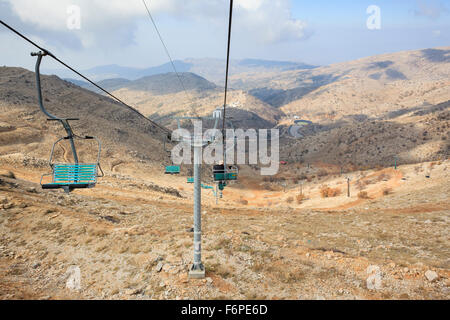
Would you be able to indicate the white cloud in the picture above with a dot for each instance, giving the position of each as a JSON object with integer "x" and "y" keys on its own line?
{"x": 263, "y": 21}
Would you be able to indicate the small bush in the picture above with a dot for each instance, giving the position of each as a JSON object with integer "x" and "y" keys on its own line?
{"x": 243, "y": 202}
{"x": 387, "y": 191}
{"x": 322, "y": 173}
{"x": 300, "y": 197}
{"x": 328, "y": 192}
{"x": 267, "y": 186}
{"x": 383, "y": 176}
{"x": 7, "y": 174}
{"x": 290, "y": 200}
{"x": 363, "y": 195}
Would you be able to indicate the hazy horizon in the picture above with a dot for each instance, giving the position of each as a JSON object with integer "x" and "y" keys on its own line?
{"x": 317, "y": 33}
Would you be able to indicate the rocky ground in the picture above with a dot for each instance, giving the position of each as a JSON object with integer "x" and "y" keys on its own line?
{"x": 132, "y": 238}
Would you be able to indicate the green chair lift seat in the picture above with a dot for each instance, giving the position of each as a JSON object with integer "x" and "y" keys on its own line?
{"x": 172, "y": 170}
{"x": 70, "y": 176}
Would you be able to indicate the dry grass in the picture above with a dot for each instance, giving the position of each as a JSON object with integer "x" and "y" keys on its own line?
{"x": 383, "y": 177}
{"x": 243, "y": 202}
{"x": 328, "y": 192}
{"x": 363, "y": 195}
{"x": 299, "y": 198}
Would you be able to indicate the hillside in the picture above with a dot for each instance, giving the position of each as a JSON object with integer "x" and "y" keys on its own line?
{"x": 413, "y": 136}
{"x": 27, "y": 134}
{"x": 295, "y": 235}
{"x": 163, "y": 107}
{"x": 371, "y": 86}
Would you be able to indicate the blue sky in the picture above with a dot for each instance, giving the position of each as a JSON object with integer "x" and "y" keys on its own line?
{"x": 318, "y": 32}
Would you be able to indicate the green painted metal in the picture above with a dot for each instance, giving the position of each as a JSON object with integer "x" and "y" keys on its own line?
{"x": 190, "y": 180}
{"x": 172, "y": 170}
{"x": 223, "y": 176}
{"x": 73, "y": 174}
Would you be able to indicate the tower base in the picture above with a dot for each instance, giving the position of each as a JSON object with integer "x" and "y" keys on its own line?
{"x": 197, "y": 272}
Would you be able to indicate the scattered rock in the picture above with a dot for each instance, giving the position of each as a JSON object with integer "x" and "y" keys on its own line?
{"x": 431, "y": 275}
{"x": 31, "y": 190}
{"x": 159, "y": 266}
{"x": 111, "y": 219}
{"x": 7, "y": 174}
{"x": 7, "y": 206}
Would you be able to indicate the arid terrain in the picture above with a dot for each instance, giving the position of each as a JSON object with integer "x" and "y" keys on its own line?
{"x": 295, "y": 235}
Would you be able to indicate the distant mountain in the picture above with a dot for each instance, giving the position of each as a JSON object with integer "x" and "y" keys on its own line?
{"x": 168, "y": 83}
{"x": 159, "y": 84}
{"x": 114, "y": 71}
{"x": 108, "y": 84}
{"x": 270, "y": 64}
{"x": 209, "y": 68}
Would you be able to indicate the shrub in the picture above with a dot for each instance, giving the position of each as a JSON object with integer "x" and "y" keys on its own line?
{"x": 328, "y": 192}
{"x": 322, "y": 173}
{"x": 290, "y": 200}
{"x": 267, "y": 186}
{"x": 243, "y": 202}
{"x": 300, "y": 197}
{"x": 383, "y": 176}
{"x": 363, "y": 195}
{"x": 387, "y": 191}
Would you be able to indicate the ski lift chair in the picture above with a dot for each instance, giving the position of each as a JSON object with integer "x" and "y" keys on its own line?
{"x": 222, "y": 175}
{"x": 70, "y": 176}
{"x": 172, "y": 170}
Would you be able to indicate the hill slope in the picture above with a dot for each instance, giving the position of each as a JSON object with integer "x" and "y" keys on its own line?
{"x": 122, "y": 131}
{"x": 369, "y": 86}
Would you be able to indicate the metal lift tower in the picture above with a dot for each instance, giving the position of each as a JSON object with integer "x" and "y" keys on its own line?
{"x": 197, "y": 142}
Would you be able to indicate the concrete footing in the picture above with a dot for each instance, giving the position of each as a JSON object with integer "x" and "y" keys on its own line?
{"x": 197, "y": 273}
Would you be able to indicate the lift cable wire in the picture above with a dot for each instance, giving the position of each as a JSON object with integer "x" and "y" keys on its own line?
{"x": 167, "y": 52}
{"x": 226, "y": 80}
{"x": 82, "y": 76}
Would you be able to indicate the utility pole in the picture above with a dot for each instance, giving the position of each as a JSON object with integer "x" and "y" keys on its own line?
{"x": 348, "y": 187}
